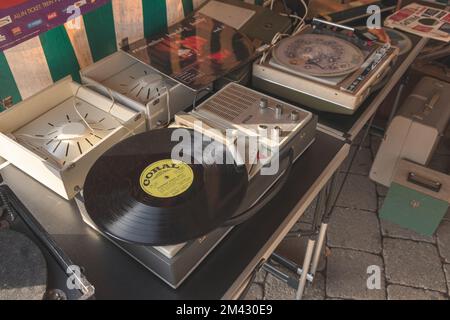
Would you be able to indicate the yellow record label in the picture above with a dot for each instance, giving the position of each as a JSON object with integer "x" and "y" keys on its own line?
{"x": 166, "y": 178}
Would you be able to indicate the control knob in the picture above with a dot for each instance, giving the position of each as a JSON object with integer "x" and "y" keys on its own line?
{"x": 295, "y": 116}
{"x": 278, "y": 110}
{"x": 263, "y": 103}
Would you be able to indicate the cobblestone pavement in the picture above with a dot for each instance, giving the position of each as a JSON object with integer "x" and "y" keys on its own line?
{"x": 410, "y": 266}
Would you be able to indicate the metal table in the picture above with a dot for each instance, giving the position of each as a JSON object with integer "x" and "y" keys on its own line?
{"x": 223, "y": 273}
{"x": 345, "y": 128}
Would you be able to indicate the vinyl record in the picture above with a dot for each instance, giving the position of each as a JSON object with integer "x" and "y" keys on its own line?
{"x": 138, "y": 193}
{"x": 318, "y": 55}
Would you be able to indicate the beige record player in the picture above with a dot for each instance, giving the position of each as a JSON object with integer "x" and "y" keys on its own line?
{"x": 324, "y": 68}
{"x": 56, "y": 135}
{"x": 245, "y": 111}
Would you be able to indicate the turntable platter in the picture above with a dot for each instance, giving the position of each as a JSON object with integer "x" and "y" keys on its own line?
{"x": 318, "y": 55}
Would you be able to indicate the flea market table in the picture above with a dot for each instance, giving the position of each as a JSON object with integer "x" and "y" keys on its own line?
{"x": 226, "y": 270}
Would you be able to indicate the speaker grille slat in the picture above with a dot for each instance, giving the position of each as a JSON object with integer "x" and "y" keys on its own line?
{"x": 231, "y": 103}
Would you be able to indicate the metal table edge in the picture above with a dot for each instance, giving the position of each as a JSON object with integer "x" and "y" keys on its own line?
{"x": 234, "y": 291}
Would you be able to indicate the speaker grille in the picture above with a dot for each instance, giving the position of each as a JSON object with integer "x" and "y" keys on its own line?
{"x": 229, "y": 104}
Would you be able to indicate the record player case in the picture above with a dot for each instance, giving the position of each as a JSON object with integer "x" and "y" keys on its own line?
{"x": 174, "y": 264}
{"x": 319, "y": 93}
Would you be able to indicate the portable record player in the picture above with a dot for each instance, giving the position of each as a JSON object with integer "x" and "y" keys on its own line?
{"x": 33, "y": 266}
{"x": 324, "y": 68}
{"x": 246, "y": 110}
{"x": 56, "y": 135}
{"x": 139, "y": 87}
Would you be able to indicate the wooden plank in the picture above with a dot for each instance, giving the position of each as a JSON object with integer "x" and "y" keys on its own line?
{"x": 80, "y": 43}
{"x": 175, "y": 11}
{"x": 29, "y": 67}
{"x": 128, "y": 20}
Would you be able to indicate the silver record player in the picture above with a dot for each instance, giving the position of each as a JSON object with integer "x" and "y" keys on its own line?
{"x": 241, "y": 109}
{"x": 324, "y": 69}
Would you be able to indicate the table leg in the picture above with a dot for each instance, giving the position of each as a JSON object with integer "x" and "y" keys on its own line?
{"x": 397, "y": 99}
{"x": 331, "y": 202}
{"x": 329, "y": 195}
{"x": 318, "y": 248}
{"x": 306, "y": 266}
{"x": 317, "y": 234}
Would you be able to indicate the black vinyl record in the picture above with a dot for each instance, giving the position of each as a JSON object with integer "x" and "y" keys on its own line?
{"x": 139, "y": 193}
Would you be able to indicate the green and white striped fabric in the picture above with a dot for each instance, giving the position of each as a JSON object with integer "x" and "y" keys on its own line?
{"x": 37, "y": 63}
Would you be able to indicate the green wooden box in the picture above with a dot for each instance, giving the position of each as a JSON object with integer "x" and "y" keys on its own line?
{"x": 418, "y": 198}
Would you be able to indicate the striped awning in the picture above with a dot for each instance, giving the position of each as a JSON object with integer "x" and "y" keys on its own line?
{"x": 37, "y": 63}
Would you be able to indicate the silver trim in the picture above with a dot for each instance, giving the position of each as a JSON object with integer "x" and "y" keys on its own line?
{"x": 301, "y": 91}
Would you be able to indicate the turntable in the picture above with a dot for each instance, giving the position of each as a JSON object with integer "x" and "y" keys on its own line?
{"x": 235, "y": 108}
{"x": 324, "y": 69}
{"x": 139, "y": 87}
{"x": 56, "y": 135}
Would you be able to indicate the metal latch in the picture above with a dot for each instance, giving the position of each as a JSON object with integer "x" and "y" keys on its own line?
{"x": 424, "y": 182}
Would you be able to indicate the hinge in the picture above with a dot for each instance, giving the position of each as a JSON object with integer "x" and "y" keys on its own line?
{"x": 7, "y": 102}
